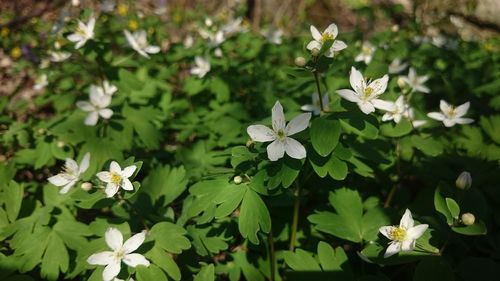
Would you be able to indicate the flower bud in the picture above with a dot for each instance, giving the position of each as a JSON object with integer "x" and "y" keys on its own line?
{"x": 60, "y": 144}
{"x": 237, "y": 180}
{"x": 401, "y": 83}
{"x": 300, "y": 61}
{"x": 464, "y": 181}
{"x": 315, "y": 52}
{"x": 41, "y": 131}
{"x": 250, "y": 144}
{"x": 86, "y": 186}
{"x": 468, "y": 219}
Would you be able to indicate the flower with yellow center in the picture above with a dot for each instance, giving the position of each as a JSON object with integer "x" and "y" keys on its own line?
{"x": 138, "y": 42}
{"x": 330, "y": 34}
{"x": 122, "y": 9}
{"x": 120, "y": 252}
{"x": 116, "y": 178}
{"x": 451, "y": 115}
{"x": 365, "y": 94}
{"x": 279, "y": 135}
{"x": 416, "y": 82}
{"x": 133, "y": 25}
{"x": 367, "y": 51}
{"x": 16, "y": 53}
{"x": 403, "y": 236}
{"x": 83, "y": 33}
{"x": 70, "y": 174}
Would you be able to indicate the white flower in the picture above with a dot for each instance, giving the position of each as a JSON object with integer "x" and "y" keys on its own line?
{"x": 117, "y": 178}
{"x": 416, "y": 82}
{"x": 329, "y": 34}
{"x": 83, "y": 33}
{"x": 121, "y": 252}
{"x": 59, "y": 56}
{"x": 40, "y": 82}
{"x": 403, "y": 236}
{"x": 202, "y": 67}
{"x": 96, "y": 107}
{"x": 188, "y": 42}
{"x": 233, "y": 26}
{"x": 106, "y": 89}
{"x": 108, "y": 6}
{"x": 395, "y": 110}
{"x": 451, "y": 115}
{"x": 367, "y": 51}
{"x": 280, "y": 133}
{"x": 138, "y": 42}
{"x": 365, "y": 94}
{"x": 315, "y": 106}
{"x": 396, "y": 66}
{"x": 272, "y": 35}
{"x": 71, "y": 173}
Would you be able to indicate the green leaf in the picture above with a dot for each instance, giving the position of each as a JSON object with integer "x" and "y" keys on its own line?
{"x": 433, "y": 269}
{"x": 170, "y": 237}
{"x": 206, "y": 241}
{"x": 325, "y": 135}
{"x": 478, "y": 228}
{"x": 254, "y": 216}
{"x": 141, "y": 121}
{"x": 167, "y": 182}
{"x": 428, "y": 146}
{"x": 441, "y": 206}
{"x": 334, "y": 262}
{"x": 453, "y": 207}
{"x": 393, "y": 130}
{"x": 220, "y": 89}
{"x": 301, "y": 261}
{"x": 207, "y": 273}
{"x": 56, "y": 257}
{"x": 12, "y": 197}
{"x": 152, "y": 272}
{"x": 165, "y": 261}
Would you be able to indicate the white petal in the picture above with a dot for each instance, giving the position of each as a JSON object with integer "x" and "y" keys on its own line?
{"x": 90, "y": 25}
{"x": 104, "y": 176}
{"x": 102, "y": 258}
{"x": 275, "y": 150}
{"x": 393, "y": 249}
{"x": 131, "y": 40}
{"x": 313, "y": 45}
{"x": 407, "y": 220}
{"x": 80, "y": 43}
{"x": 114, "y": 238}
{"x": 408, "y": 245}
{"x": 85, "y": 106}
{"x": 134, "y": 260}
{"x": 338, "y": 46}
{"x": 127, "y": 185}
{"x": 436, "y": 116}
{"x": 115, "y": 167}
{"x": 294, "y": 149}
{"x": 445, "y": 107}
{"x": 449, "y": 122}
{"x": 111, "y": 189}
{"x": 309, "y": 107}
{"x": 128, "y": 171}
{"x": 142, "y": 53}
{"x": 379, "y": 85}
{"x": 84, "y": 164}
{"x": 74, "y": 37}
{"x": 59, "y": 180}
{"x": 134, "y": 242}
{"x": 349, "y": 95}
{"x": 418, "y": 123}
{"x": 106, "y": 113}
{"x": 278, "y": 117}
{"x": 461, "y": 110}
{"x": 422, "y": 89}
{"x": 366, "y": 107}
{"x": 91, "y": 118}
{"x": 417, "y": 231}
{"x": 386, "y": 231}
{"x": 315, "y": 33}
{"x": 384, "y": 105}
{"x": 111, "y": 271}
{"x": 387, "y": 116}
{"x": 298, "y": 124}
{"x": 357, "y": 81}
{"x": 463, "y": 120}
{"x": 152, "y": 49}
{"x": 332, "y": 29}
{"x": 67, "y": 187}
{"x": 261, "y": 133}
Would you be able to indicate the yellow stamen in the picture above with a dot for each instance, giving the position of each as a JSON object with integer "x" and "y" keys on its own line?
{"x": 123, "y": 9}
{"x": 16, "y": 52}
{"x": 281, "y": 134}
{"x": 398, "y": 234}
{"x": 368, "y": 92}
{"x": 326, "y": 37}
{"x": 133, "y": 25}
{"x": 116, "y": 178}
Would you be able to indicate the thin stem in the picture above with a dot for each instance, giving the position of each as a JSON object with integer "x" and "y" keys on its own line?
{"x": 315, "y": 72}
{"x": 134, "y": 209}
{"x": 295, "y": 220}
{"x": 272, "y": 255}
{"x": 389, "y": 198}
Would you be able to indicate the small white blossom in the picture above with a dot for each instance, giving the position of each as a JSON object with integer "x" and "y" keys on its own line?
{"x": 365, "y": 94}
{"x": 279, "y": 135}
{"x": 117, "y": 178}
{"x": 83, "y": 33}
{"x": 40, "y": 82}
{"x": 232, "y": 27}
{"x": 403, "y": 236}
{"x": 59, "y": 56}
{"x": 188, "y": 42}
{"x": 106, "y": 89}
{"x": 395, "y": 110}
{"x": 272, "y": 35}
{"x": 396, "y": 66}
{"x": 416, "y": 82}
{"x": 367, "y": 51}
{"x": 138, "y": 42}
{"x": 451, "y": 115}
{"x": 97, "y": 106}
{"x": 202, "y": 67}
{"x": 315, "y": 106}
{"x": 329, "y": 34}
{"x": 108, "y": 6}
{"x": 71, "y": 173}
{"x": 120, "y": 252}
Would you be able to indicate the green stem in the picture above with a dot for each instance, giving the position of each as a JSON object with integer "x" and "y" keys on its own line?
{"x": 295, "y": 220}
{"x": 315, "y": 72}
{"x": 272, "y": 254}
{"x": 389, "y": 198}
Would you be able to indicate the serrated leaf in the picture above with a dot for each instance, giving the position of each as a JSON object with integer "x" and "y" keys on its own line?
{"x": 167, "y": 182}
{"x": 141, "y": 121}
{"x": 55, "y": 258}
{"x": 301, "y": 260}
{"x": 152, "y": 272}
{"x": 325, "y": 135}
{"x": 220, "y": 89}
{"x": 170, "y": 237}
{"x": 207, "y": 273}
{"x": 254, "y": 216}
{"x": 12, "y": 194}
{"x": 165, "y": 261}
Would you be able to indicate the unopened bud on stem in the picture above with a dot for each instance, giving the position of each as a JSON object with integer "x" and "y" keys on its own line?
{"x": 468, "y": 219}
{"x": 464, "y": 181}
{"x": 300, "y": 61}
{"x": 237, "y": 180}
{"x": 86, "y": 186}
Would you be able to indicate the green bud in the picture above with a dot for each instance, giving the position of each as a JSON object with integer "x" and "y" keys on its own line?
{"x": 468, "y": 219}
{"x": 86, "y": 186}
{"x": 315, "y": 52}
{"x": 237, "y": 179}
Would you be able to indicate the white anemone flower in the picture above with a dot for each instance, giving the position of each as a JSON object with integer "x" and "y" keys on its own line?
{"x": 41, "y": 82}
{"x": 367, "y": 51}
{"x": 120, "y": 252}
{"x": 106, "y": 89}
{"x": 365, "y": 94}
{"x": 403, "y": 236}
{"x": 138, "y": 41}
{"x": 329, "y": 34}
{"x": 416, "y": 82}
{"x": 397, "y": 66}
{"x": 273, "y": 35}
{"x": 59, "y": 56}
{"x": 202, "y": 67}
{"x": 315, "y": 106}
{"x": 83, "y": 33}
{"x": 395, "y": 110}
{"x": 116, "y": 178}
{"x": 97, "y": 106}
{"x": 108, "y": 6}
{"x": 451, "y": 115}
{"x": 279, "y": 135}
{"x": 70, "y": 174}
{"x": 188, "y": 42}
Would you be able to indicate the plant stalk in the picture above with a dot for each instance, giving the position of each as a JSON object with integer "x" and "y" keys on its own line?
{"x": 295, "y": 220}
{"x": 272, "y": 254}
{"x": 316, "y": 77}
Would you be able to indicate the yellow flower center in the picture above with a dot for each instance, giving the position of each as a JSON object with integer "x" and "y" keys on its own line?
{"x": 119, "y": 255}
{"x": 116, "y": 178}
{"x": 452, "y": 113}
{"x": 133, "y": 25}
{"x": 398, "y": 234}
{"x": 123, "y": 9}
{"x": 16, "y": 52}
{"x": 4, "y": 32}
{"x": 368, "y": 92}
{"x": 326, "y": 37}
{"x": 281, "y": 135}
